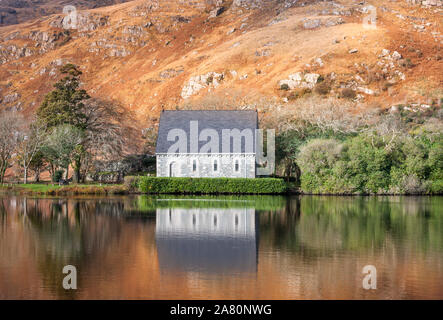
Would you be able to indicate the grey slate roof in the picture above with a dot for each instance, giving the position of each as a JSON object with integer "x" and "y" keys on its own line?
{"x": 211, "y": 119}
{"x": 207, "y": 254}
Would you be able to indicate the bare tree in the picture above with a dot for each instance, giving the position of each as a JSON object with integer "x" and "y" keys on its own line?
{"x": 324, "y": 113}
{"x": 389, "y": 128}
{"x": 30, "y": 141}
{"x": 111, "y": 132}
{"x": 61, "y": 146}
{"x": 150, "y": 137}
{"x": 10, "y": 125}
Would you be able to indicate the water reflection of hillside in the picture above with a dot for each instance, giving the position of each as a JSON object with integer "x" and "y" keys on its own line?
{"x": 310, "y": 247}
{"x": 212, "y": 240}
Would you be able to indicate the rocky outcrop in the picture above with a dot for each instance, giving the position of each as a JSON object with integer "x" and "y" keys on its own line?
{"x": 299, "y": 80}
{"x": 389, "y": 63}
{"x": 196, "y": 83}
{"x": 260, "y": 4}
{"x": 431, "y": 3}
{"x": 84, "y": 22}
{"x": 137, "y": 31}
{"x": 119, "y": 52}
{"x": 40, "y": 36}
{"x": 170, "y": 73}
{"x": 10, "y": 98}
{"x": 14, "y": 52}
{"x": 326, "y": 22}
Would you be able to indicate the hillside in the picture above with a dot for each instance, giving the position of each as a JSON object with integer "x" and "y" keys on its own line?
{"x": 18, "y": 11}
{"x": 149, "y": 55}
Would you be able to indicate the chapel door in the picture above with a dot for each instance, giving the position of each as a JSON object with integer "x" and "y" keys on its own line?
{"x": 173, "y": 169}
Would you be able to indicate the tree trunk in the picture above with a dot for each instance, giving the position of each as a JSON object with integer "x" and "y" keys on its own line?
{"x": 77, "y": 175}
{"x": 25, "y": 175}
{"x": 37, "y": 175}
{"x": 2, "y": 172}
{"x": 67, "y": 172}
{"x": 287, "y": 172}
{"x": 52, "y": 171}
{"x": 297, "y": 172}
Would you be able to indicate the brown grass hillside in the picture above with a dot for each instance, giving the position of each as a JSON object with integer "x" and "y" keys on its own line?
{"x": 144, "y": 53}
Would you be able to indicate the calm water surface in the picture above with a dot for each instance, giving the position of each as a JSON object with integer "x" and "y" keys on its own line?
{"x": 260, "y": 247}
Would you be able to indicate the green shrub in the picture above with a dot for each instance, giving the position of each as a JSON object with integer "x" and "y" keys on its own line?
{"x": 58, "y": 174}
{"x": 369, "y": 164}
{"x": 416, "y": 153}
{"x": 377, "y": 182}
{"x": 436, "y": 186}
{"x": 319, "y": 154}
{"x": 311, "y": 183}
{"x": 317, "y": 159}
{"x": 435, "y": 160}
{"x": 373, "y": 164}
{"x": 400, "y": 153}
{"x": 158, "y": 185}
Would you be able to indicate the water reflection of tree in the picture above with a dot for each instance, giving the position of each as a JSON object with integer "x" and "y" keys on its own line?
{"x": 75, "y": 232}
{"x": 319, "y": 226}
{"x": 3, "y": 212}
{"x": 277, "y": 227}
{"x": 3, "y": 219}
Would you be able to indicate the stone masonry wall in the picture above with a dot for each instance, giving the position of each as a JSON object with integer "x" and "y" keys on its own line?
{"x": 183, "y": 165}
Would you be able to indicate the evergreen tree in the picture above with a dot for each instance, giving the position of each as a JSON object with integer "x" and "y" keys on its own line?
{"x": 65, "y": 104}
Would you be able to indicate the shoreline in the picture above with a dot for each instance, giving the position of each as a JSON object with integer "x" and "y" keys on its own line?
{"x": 121, "y": 189}
{"x": 65, "y": 190}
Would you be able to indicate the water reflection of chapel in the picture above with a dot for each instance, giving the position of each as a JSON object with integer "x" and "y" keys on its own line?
{"x": 207, "y": 239}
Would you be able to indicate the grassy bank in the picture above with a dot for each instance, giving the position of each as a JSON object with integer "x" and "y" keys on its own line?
{"x": 159, "y": 185}
{"x": 76, "y": 189}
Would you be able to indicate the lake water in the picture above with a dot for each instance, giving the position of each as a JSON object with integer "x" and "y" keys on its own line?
{"x": 251, "y": 247}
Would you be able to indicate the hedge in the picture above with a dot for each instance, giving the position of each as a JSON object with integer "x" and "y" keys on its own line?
{"x": 158, "y": 185}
